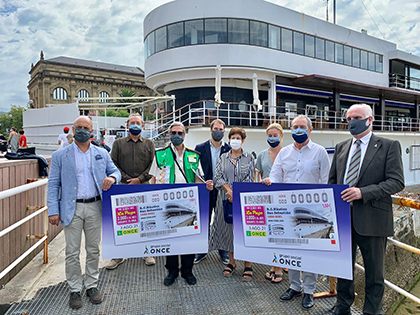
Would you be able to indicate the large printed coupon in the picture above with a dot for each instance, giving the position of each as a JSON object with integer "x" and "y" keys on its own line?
{"x": 156, "y": 214}
{"x": 301, "y": 219}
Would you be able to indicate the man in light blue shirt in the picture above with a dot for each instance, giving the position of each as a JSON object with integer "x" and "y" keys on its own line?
{"x": 79, "y": 173}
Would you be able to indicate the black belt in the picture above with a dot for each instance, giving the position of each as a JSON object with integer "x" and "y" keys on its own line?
{"x": 89, "y": 200}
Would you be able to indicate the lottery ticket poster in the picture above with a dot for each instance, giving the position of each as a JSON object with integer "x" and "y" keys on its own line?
{"x": 297, "y": 226}
{"x": 154, "y": 220}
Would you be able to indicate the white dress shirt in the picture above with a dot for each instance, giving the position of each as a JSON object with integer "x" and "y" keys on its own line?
{"x": 309, "y": 165}
{"x": 86, "y": 186}
{"x": 363, "y": 147}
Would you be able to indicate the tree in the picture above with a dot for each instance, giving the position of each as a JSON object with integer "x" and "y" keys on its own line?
{"x": 126, "y": 93}
{"x": 14, "y": 118}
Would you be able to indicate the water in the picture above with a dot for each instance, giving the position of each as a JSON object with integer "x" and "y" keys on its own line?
{"x": 408, "y": 307}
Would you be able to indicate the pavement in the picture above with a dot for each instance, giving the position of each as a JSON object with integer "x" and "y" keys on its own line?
{"x": 134, "y": 288}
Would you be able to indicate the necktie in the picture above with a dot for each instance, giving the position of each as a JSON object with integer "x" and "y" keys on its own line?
{"x": 354, "y": 166}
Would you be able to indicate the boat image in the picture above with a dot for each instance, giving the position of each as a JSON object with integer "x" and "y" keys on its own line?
{"x": 277, "y": 229}
{"x": 310, "y": 224}
{"x": 178, "y": 216}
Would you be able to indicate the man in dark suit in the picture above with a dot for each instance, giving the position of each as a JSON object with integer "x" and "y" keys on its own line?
{"x": 210, "y": 152}
{"x": 372, "y": 167}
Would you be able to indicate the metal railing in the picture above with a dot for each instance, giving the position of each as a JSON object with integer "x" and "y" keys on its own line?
{"x": 41, "y": 210}
{"x": 248, "y": 115}
{"x": 404, "y": 82}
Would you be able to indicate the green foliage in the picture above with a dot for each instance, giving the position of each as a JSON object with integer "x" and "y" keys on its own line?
{"x": 122, "y": 113}
{"x": 114, "y": 113}
{"x": 14, "y": 118}
{"x": 126, "y": 93}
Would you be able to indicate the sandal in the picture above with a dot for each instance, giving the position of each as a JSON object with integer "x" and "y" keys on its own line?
{"x": 227, "y": 272}
{"x": 270, "y": 273}
{"x": 247, "y": 274}
{"x": 277, "y": 276}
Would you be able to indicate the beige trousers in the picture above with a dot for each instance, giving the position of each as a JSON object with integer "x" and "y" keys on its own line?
{"x": 87, "y": 218}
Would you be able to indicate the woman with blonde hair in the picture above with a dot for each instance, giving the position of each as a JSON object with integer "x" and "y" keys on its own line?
{"x": 265, "y": 161}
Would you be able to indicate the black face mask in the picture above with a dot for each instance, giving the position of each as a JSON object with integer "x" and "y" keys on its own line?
{"x": 357, "y": 127}
{"x": 217, "y": 135}
{"x": 82, "y": 135}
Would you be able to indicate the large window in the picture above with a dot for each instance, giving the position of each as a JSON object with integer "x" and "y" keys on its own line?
{"x": 298, "y": 43}
{"x": 329, "y": 50}
{"x": 356, "y": 58}
{"x": 274, "y": 36}
{"x": 161, "y": 39}
{"x": 176, "y": 35}
{"x": 250, "y": 32}
{"x": 60, "y": 94}
{"x": 215, "y": 31}
{"x": 338, "y": 53}
{"x": 194, "y": 32}
{"x": 286, "y": 40}
{"x": 258, "y": 33}
{"x": 320, "y": 48}
{"x": 238, "y": 31}
{"x": 363, "y": 59}
{"x": 347, "y": 55}
{"x": 103, "y": 97}
{"x": 309, "y": 46}
{"x": 83, "y": 96}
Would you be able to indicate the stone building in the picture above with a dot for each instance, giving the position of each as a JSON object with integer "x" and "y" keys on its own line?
{"x": 62, "y": 80}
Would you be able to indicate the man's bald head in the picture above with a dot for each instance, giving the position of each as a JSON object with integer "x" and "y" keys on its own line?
{"x": 83, "y": 120}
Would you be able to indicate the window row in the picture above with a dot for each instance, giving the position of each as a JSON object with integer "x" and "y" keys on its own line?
{"x": 83, "y": 95}
{"x": 247, "y": 32}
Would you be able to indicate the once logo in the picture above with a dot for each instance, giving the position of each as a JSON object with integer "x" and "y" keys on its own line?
{"x": 162, "y": 250}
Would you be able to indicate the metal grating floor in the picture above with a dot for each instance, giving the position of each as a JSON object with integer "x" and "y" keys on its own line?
{"x": 134, "y": 288}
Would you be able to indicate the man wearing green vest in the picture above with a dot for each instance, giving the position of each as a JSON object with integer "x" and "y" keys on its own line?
{"x": 177, "y": 164}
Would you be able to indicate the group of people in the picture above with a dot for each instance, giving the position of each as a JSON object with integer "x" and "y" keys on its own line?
{"x": 17, "y": 140}
{"x": 370, "y": 165}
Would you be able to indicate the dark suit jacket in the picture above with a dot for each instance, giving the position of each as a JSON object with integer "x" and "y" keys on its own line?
{"x": 381, "y": 175}
{"x": 206, "y": 165}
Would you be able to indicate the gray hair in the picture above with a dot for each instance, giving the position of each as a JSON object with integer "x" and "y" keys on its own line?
{"x": 309, "y": 122}
{"x": 366, "y": 107}
{"x": 134, "y": 115}
{"x": 176, "y": 123}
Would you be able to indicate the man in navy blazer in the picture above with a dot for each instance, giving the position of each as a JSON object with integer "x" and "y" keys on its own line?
{"x": 79, "y": 173}
{"x": 210, "y": 152}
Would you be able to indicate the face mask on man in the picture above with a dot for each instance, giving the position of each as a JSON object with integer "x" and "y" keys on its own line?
{"x": 135, "y": 129}
{"x": 217, "y": 135}
{"x": 300, "y": 135}
{"x": 273, "y": 141}
{"x": 235, "y": 144}
{"x": 357, "y": 127}
{"x": 177, "y": 139}
{"x": 82, "y": 135}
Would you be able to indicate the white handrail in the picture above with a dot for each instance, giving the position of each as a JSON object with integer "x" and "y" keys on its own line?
{"x": 20, "y": 222}
{"x": 22, "y": 257}
{"x": 20, "y": 189}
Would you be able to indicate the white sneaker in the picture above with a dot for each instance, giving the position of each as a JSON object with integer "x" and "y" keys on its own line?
{"x": 114, "y": 263}
{"x": 149, "y": 261}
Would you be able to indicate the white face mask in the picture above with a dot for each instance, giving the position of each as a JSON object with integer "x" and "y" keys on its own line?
{"x": 236, "y": 144}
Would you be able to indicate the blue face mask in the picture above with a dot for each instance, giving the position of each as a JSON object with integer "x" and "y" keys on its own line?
{"x": 300, "y": 135}
{"x": 82, "y": 135}
{"x": 176, "y": 139}
{"x": 273, "y": 141}
{"x": 134, "y": 129}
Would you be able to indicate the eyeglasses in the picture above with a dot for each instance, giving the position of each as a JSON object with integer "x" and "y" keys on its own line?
{"x": 180, "y": 133}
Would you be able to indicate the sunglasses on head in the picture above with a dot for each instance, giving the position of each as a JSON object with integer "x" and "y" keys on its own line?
{"x": 180, "y": 133}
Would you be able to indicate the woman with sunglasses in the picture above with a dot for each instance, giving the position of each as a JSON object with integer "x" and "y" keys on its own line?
{"x": 265, "y": 161}
{"x": 233, "y": 166}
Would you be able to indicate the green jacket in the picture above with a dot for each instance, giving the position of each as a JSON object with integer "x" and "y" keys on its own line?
{"x": 166, "y": 157}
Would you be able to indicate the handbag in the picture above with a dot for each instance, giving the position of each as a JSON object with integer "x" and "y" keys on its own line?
{"x": 228, "y": 211}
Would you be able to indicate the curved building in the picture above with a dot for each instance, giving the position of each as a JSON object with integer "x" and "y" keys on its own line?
{"x": 298, "y": 59}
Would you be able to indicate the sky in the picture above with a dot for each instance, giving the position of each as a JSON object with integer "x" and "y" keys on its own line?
{"x": 112, "y": 31}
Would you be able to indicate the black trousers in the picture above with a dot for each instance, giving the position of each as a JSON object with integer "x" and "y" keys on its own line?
{"x": 373, "y": 253}
{"x": 187, "y": 263}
